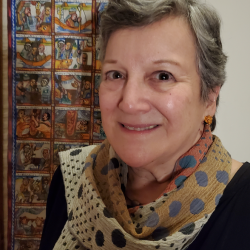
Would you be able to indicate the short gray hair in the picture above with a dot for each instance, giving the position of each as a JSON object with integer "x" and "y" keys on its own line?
{"x": 202, "y": 19}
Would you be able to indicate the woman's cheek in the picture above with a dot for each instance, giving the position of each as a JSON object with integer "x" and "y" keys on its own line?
{"x": 106, "y": 100}
{"x": 109, "y": 95}
{"x": 103, "y": 98}
{"x": 173, "y": 107}
{"x": 166, "y": 103}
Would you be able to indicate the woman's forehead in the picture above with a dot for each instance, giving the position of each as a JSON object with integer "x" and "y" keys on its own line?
{"x": 170, "y": 39}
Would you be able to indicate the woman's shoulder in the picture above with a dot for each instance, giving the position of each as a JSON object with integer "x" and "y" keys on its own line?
{"x": 236, "y": 165}
{"x": 240, "y": 176}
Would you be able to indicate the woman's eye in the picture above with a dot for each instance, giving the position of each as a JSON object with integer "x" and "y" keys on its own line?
{"x": 164, "y": 76}
{"x": 114, "y": 75}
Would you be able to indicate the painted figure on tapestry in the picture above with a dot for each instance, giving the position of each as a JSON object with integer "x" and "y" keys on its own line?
{"x": 66, "y": 121}
{"x": 73, "y": 53}
{"x": 82, "y": 60}
{"x": 24, "y": 18}
{"x": 33, "y": 89}
{"x": 41, "y": 55}
{"x": 60, "y": 47}
{"x": 45, "y": 90}
{"x": 26, "y": 156}
{"x": 73, "y": 17}
{"x": 84, "y": 47}
{"x": 33, "y": 123}
{"x": 41, "y": 126}
{"x": 72, "y": 20}
{"x": 22, "y": 124}
{"x": 46, "y": 119}
{"x": 82, "y": 126}
{"x": 33, "y": 52}
{"x": 67, "y": 53}
{"x": 85, "y": 92}
{"x": 73, "y": 89}
{"x": 32, "y": 15}
{"x": 29, "y": 221}
{"x": 31, "y": 190}
{"x": 33, "y": 156}
{"x": 26, "y": 51}
{"x": 45, "y": 161}
{"x": 43, "y": 16}
{"x": 35, "y": 94}
{"x": 64, "y": 53}
{"x": 20, "y": 92}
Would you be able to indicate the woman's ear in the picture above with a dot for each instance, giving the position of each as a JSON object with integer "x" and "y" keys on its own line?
{"x": 211, "y": 102}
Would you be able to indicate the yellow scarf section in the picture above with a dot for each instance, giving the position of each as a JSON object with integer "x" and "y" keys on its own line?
{"x": 98, "y": 217}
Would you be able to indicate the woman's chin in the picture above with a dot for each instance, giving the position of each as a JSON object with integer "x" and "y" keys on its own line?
{"x": 134, "y": 159}
{"x": 135, "y": 163}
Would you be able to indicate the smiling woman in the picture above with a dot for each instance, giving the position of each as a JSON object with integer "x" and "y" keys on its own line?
{"x": 153, "y": 86}
{"x": 161, "y": 180}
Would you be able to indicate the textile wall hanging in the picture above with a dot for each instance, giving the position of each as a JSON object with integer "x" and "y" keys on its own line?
{"x": 54, "y": 77}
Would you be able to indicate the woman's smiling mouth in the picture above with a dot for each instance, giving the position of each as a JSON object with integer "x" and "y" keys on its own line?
{"x": 139, "y": 127}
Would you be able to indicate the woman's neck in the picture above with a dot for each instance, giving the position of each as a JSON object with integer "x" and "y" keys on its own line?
{"x": 144, "y": 187}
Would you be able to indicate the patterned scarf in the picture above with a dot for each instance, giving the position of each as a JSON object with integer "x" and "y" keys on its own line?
{"x": 98, "y": 217}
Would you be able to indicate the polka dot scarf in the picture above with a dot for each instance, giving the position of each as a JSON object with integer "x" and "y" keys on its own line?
{"x": 98, "y": 217}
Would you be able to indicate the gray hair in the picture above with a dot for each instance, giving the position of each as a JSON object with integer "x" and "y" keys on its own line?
{"x": 202, "y": 19}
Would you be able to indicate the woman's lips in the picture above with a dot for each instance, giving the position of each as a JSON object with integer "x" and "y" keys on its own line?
{"x": 139, "y": 127}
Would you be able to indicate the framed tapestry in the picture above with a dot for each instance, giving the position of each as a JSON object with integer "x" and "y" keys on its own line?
{"x": 54, "y": 77}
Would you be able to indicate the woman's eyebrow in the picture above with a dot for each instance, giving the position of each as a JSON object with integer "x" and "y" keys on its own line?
{"x": 110, "y": 61}
{"x": 168, "y": 62}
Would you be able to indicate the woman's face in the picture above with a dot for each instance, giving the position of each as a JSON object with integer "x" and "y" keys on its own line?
{"x": 150, "y": 101}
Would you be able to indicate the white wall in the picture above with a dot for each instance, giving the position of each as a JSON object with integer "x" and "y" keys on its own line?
{"x": 233, "y": 114}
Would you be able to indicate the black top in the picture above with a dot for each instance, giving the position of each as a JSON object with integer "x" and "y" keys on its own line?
{"x": 227, "y": 229}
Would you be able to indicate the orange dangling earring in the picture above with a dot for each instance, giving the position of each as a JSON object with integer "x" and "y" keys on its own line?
{"x": 208, "y": 119}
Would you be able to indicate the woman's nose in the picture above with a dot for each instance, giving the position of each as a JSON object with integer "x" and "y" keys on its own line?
{"x": 134, "y": 98}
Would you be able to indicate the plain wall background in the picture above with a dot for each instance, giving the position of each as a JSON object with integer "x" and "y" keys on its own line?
{"x": 233, "y": 115}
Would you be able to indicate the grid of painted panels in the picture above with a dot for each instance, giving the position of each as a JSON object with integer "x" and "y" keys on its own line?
{"x": 55, "y": 83}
